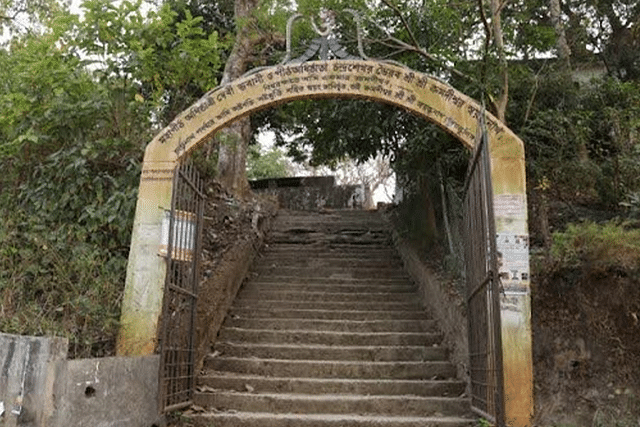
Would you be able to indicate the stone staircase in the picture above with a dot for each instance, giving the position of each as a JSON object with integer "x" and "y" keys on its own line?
{"x": 329, "y": 331}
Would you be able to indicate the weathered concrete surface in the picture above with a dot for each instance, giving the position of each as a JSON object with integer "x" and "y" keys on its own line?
{"x": 30, "y": 368}
{"x": 109, "y": 392}
{"x": 312, "y": 340}
{"x": 144, "y": 289}
{"x": 311, "y": 193}
{"x": 217, "y": 292}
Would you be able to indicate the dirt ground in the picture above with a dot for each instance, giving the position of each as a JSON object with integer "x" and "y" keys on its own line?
{"x": 587, "y": 349}
{"x": 586, "y": 335}
{"x": 232, "y": 236}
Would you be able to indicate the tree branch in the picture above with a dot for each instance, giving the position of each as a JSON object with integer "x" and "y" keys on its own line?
{"x": 406, "y": 47}
{"x": 405, "y": 24}
{"x": 533, "y": 94}
{"x": 487, "y": 27}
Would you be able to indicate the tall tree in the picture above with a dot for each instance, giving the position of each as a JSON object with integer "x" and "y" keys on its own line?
{"x": 562, "y": 47}
{"x": 234, "y": 140}
{"x": 24, "y": 16}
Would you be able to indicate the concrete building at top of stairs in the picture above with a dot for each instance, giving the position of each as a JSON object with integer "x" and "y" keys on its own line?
{"x": 314, "y": 192}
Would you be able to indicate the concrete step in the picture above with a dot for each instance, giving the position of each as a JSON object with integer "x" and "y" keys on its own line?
{"x": 373, "y": 241}
{"x": 332, "y": 325}
{"x": 292, "y": 295}
{"x": 292, "y": 336}
{"x": 330, "y": 216}
{"x": 348, "y": 227}
{"x": 288, "y": 313}
{"x": 269, "y": 419}
{"x": 307, "y": 254}
{"x": 336, "y": 225}
{"x": 333, "y": 404}
{"x": 330, "y": 271}
{"x": 377, "y": 386}
{"x": 335, "y": 280}
{"x": 330, "y": 352}
{"x": 331, "y": 231}
{"x": 309, "y": 247}
{"x": 429, "y": 370}
{"x": 328, "y": 330}
{"x": 260, "y": 284}
{"x": 328, "y": 261}
{"x": 320, "y": 249}
{"x": 333, "y": 305}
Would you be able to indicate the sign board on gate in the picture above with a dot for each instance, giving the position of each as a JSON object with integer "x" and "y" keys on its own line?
{"x": 184, "y": 235}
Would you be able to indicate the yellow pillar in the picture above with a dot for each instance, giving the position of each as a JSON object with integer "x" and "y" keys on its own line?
{"x": 146, "y": 270}
{"x": 512, "y": 238}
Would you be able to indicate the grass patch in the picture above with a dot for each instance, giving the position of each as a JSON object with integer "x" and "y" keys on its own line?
{"x": 600, "y": 247}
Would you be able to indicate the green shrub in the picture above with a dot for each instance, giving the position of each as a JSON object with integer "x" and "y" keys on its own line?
{"x": 600, "y": 247}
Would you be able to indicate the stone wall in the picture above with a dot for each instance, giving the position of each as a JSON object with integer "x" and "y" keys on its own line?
{"x": 30, "y": 367}
{"x": 39, "y": 387}
{"x": 311, "y": 193}
{"x": 108, "y": 392}
{"x": 441, "y": 299}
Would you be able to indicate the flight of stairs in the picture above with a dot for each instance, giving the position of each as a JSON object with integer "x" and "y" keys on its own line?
{"x": 329, "y": 331}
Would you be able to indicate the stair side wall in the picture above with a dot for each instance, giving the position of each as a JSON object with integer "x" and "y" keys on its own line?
{"x": 217, "y": 292}
{"x": 446, "y": 305}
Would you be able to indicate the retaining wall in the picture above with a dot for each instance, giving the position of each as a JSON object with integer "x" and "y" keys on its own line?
{"x": 312, "y": 193}
{"x": 39, "y": 387}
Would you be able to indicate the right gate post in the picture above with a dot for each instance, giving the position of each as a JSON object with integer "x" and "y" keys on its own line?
{"x": 512, "y": 244}
{"x": 498, "y": 291}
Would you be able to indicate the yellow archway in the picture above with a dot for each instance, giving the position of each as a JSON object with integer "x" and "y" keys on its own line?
{"x": 418, "y": 93}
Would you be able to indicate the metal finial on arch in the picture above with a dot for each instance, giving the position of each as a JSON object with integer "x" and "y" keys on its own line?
{"x": 325, "y": 44}
{"x": 358, "y": 18}
{"x": 290, "y": 22}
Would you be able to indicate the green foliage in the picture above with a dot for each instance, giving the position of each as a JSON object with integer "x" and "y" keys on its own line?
{"x": 271, "y": 164}
{"x": 598, "y": 247}
{"x": 64, "y": 245}
{"x": 23, "y": 16}
{"x": 632, "y": 204}
{"x": 583, "y": 143}
{"x": 40, "y": 79}
{"x": 47, "y": 288}
{"x": 79, "y": 100}
{"x": 167, "y": 51}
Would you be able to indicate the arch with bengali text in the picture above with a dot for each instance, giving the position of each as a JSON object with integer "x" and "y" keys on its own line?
{"x": 418, "y": 93}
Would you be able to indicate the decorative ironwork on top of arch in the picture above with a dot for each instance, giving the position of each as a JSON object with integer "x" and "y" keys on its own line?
{"x": 326, "y": 46}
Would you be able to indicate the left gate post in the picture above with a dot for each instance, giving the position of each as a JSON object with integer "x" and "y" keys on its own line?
{"x": 146, "y": 269}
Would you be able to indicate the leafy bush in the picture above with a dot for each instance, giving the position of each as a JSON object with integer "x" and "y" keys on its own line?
{"x": 47, "y": 288}
{"x": 64, "y": 246}
{"x": 598, "y": 247}
{"x": 80, "y": 99}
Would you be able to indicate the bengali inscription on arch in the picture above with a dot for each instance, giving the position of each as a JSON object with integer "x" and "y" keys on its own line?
{"x": 383, "y": 82}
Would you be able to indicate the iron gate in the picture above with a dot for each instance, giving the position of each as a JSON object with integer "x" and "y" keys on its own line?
{"x": 183, "y": 230}
{"x": 483, "y": 288}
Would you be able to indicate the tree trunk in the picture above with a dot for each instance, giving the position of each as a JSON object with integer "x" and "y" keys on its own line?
{"x": 564, "y": 53}
{"x": 543, "y": 221}
{"x": 234, "y": 140}
{"x": 496, "y": 22}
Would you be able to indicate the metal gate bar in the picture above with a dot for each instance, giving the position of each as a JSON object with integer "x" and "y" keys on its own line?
{"x": 482, "y": 281}
{"x": 184, "y": 231}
